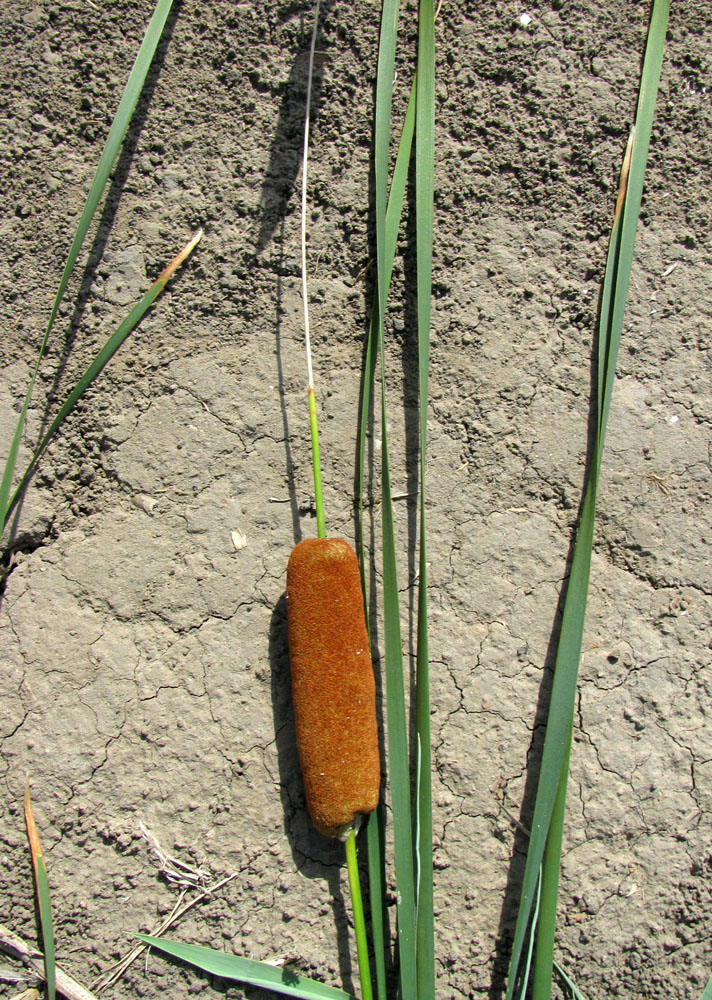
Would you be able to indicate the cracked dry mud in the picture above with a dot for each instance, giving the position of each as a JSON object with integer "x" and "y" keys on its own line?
{"x": 144, "y": 676}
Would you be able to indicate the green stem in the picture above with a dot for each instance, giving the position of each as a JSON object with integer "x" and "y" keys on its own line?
{"x": 364, "y": 968}
{"x": 316, "y": 465}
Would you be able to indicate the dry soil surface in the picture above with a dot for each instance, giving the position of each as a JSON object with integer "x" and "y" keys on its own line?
{"x": 144, "y": 680}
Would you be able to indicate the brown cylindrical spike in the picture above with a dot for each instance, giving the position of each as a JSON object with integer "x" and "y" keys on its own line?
{"x": 333, "y": 687}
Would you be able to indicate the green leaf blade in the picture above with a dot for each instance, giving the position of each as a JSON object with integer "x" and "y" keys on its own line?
{"x": 397, "y": 730}
{"x": 45, "y": 909}
{"x": 246, "y": 970}
{"x": 571, "y": 986}
{"x": 376, "y": 823}
{"x": 44, "y": 906}
{"x": 122, "y": 119}
{"x": 559, "y": 723}
{"x": 645, "y": 113}
{"x": 103, "y": 357}
{"x": 549, "y": 808}
{"x": 393, "y": 654}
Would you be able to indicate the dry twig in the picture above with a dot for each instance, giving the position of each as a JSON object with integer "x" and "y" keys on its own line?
{"x": 116, "y": 971}
{"x": 13, "y": 944}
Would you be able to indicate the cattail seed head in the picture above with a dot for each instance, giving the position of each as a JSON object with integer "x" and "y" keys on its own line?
{"x": 333, "y": 687}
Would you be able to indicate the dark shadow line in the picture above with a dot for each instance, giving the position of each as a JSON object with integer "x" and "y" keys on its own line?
{"x": 291, "y": 484}
{"x": 411, "y": 421}
{"x": 285, "y": 157}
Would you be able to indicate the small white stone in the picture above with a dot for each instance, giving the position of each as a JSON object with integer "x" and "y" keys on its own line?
{"x": 144, "y": 503}
{"x": 525, "y": 19}
{"x": 239, "y": 540}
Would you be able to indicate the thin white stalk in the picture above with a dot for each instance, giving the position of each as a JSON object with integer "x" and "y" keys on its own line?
{"x": 305, "y": 162}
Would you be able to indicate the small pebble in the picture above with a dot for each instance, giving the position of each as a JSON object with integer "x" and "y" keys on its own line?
{"x": 144, "y": 503}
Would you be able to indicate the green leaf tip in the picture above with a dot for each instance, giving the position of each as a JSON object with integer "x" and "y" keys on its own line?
{"x": 43, "y": 901}
{"x": 98, "y": 364}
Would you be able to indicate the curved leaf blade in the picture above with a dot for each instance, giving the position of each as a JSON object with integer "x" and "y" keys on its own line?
{"x": 550, "y": 801}
{"x": 246, "y": 970}
{"x": 104, "y": 356}
{"x": 121, "y": 122}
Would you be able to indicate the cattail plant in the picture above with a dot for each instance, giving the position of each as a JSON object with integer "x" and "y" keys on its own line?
{"x": 333, "y": 684}
{"x": 333, "y": 687}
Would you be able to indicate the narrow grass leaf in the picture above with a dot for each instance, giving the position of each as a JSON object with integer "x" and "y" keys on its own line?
{"x": 544, "y": 922}
{"x": 397, "y": 731}
{"x": 382, "y": 134}
{"x": 375, "y": 854}
{"x": 395, "y": 694}
{"x": 376, "y": 823}
{"x": 608, "y": 287}
{"x": 530, "y": 940}
{"x": 394, "y": 211}
{"x": 43, "y": 901}
{"x": 424, "y": 182}
{"x": 118, "y": 129}
{"x": 610, "y": 330}
{"x": 549, "y": 806}
{"x": 570, "y": 985}
{"x": 707, "y": 995}
{"x": 104, "y": 356}
{"x": 650, "y": 77}
{"x": 245, "y": 970}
